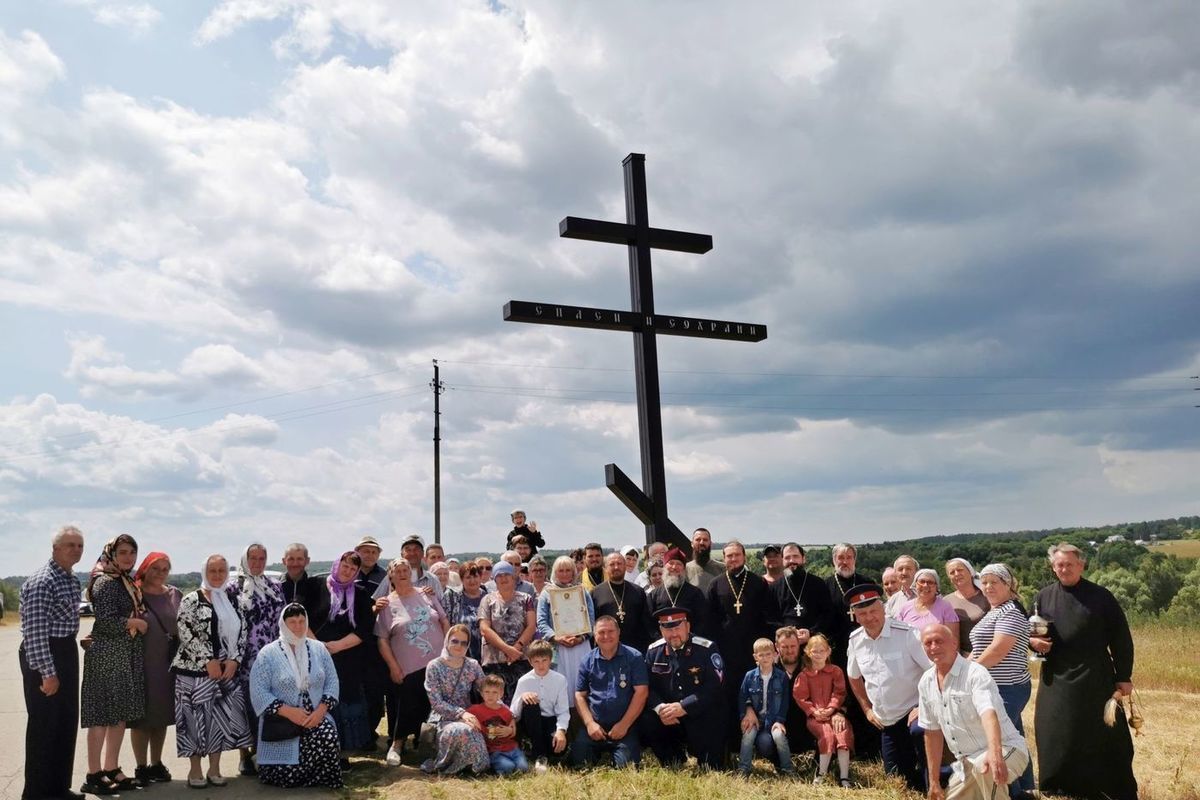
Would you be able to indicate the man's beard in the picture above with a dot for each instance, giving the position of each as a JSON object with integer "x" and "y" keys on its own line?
{"x": 596, "y": 574}
{"x": 846, "y": 572}
{"x": 672, "y": 581}
{"x": 703, "y": 556}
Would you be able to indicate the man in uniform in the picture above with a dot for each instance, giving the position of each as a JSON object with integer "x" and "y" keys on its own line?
{"x": 702, "y": 570}
{"x": 610, "y": 693}
{"x": 885, "y": 666}
{"x": 625, "y": 602}
{"x": 686, "y": 705}
{"x": 802, "y": 600}
{"x": 676, "y": 591}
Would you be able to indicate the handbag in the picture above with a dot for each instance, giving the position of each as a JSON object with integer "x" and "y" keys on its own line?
{"x": 428, "y": 735}
{"x": 276, "y": 728}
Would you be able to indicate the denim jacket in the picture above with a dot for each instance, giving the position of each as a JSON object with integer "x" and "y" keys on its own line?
{"x": 751, "y": 695}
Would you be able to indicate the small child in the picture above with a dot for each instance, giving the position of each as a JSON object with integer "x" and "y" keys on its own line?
{"x": 763, "y": 700}
{"x": 820, "y": 690}
{"x": 541, "y": 707}
{"x": 499, "y": 729}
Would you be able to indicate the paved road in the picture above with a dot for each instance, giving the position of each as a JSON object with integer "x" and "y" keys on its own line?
{"x": 12, "y": 745}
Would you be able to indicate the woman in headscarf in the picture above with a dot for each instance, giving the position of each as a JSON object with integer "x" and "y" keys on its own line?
{"x": 450, "y": 681}
{"x": 967, "y": 600}
{"x": 294, "y": 678}
{"x": 568, "y": 650}
{"x": 260, "y": 599}
{"x": 161, "y": 601}
{"x": 927, "y": 607}
{"x": 1000, "y": 642}
{"x": 113, "y": 692}
{"x": 351, "y": 622}
{"x": 210, "y": 709}
{"x": 409, "y": 629}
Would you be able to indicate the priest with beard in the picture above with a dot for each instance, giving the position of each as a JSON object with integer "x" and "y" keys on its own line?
{"x": 626, "y": 603}
{"x": 702, "y": 570}
{"x": 592, "y": 574}
{"x": 802, "y": 600}
{"x": 742, "y": 607}
{"x": 676, "y": 592}
{"x": 844, "y": 578}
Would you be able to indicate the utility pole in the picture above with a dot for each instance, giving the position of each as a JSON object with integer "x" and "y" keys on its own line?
{"x": 438, "y": 387}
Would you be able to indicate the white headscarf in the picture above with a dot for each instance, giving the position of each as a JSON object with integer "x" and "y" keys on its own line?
{"x": 229, "y": 624}
{"x": 970, "y": 569}
{"x": 257, "y": 586}
{"x": 295, "y": 647}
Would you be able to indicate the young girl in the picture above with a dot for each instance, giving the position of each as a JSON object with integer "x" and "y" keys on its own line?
{"x": 820, "y": 690}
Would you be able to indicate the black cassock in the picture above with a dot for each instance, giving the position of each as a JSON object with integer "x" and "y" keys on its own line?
{"x": 686, "y": 596}
{"x": 735, "y": 629}
{"x": 843, "y": 626}
{"x": 626, "y": 603}
{"x": 802, "y": 601}
{"x": 1078, "y": 755}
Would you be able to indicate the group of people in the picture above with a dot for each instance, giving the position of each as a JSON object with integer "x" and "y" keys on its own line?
{"x": 689, "y": 656}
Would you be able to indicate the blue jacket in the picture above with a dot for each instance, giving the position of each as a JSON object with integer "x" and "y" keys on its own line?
{"x": 751, "y": 695}
{"x": 271, "y": 681}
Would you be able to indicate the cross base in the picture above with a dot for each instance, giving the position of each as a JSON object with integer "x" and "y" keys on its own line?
{"x": 659, "y": 527}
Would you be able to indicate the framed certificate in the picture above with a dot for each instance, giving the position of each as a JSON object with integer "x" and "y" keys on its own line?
{"x": 568, "y": 611}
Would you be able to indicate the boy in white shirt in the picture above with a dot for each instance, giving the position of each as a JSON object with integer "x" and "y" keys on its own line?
{"x": 541, "y": 707}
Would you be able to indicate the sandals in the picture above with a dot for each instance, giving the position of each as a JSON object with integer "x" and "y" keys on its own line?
{"x": 217, "y": 780}
{"x": 98, "y": 783}
{"x": 122, "y": 784}
{"x": 197, "y": 783}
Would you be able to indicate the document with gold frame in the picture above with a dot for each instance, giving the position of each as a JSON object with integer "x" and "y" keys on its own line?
{"x": 568, "y": 611}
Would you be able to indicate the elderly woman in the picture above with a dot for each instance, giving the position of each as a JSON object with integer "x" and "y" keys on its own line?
{"x": 449, "y": 682}
{"x": 999, "y": 641}
{"x": 507, "y": 623}
{"x": 569, "y": 650}
{"x": 462, "y": 607}
{"x": 441, "y": 571}
{"x": 210, "y": 709}
{"x": 113, "y": 692}
{"x": 928, "y": 607}
{"x": 350, "y": 623}
{"x": 286, "y": 677}
{"x": 967, "y": 600}
{"x": 162, "y": 633}
{"x": 260, "y": 599}
{"x": 410, "y": 630}
{"x": 1089, "y": 659}
{"x": 538, "y": 574}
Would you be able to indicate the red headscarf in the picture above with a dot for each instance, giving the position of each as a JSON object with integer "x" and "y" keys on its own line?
{"x": 147, "y": 562}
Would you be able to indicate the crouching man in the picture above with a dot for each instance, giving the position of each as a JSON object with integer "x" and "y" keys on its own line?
{"x": 960, "y": 705}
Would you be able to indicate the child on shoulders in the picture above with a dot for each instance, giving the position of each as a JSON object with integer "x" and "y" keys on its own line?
{"x": 820, "y": 691}
{"x": 763, "y": 701}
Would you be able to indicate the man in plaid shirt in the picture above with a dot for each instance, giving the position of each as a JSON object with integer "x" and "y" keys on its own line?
{"x": 50, "y": 670}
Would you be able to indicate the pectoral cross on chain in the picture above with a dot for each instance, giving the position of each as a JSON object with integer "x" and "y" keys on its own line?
{"x": 621, "y": 616}
{"x": 737, "y": 607}
{"x": 799, "y": 610}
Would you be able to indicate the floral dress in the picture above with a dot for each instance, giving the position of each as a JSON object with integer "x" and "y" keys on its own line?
{"x": 459, "y": 746}
{"x": 113, "y": 673}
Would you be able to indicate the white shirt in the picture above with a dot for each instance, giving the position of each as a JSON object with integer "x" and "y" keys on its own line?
{"x": 956, "y": 709}
{"x": 897, "y": 601}
{"x": 551, "y": 690}
{"x": 891, "y": 667}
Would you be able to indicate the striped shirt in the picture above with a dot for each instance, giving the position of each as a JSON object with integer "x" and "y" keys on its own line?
{"x": 1013, "y": 669}
{"x": 49, "y": 609}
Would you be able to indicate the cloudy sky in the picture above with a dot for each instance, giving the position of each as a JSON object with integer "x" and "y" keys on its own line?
{"x": 233, "y": 236}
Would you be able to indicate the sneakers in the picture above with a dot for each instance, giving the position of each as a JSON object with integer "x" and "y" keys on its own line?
{"x": 819, "y": 779}
{"x": 143, "y": 776}
{"x": 393, "y": 757}
{"x": 541, "y": 766}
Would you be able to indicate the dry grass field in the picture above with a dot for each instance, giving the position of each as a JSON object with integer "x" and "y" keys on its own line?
{"x": 1167, "y": 762}
{"x": 1181, "y": 548}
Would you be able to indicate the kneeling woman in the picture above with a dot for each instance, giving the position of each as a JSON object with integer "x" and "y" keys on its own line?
{"x": 286, "y": 677}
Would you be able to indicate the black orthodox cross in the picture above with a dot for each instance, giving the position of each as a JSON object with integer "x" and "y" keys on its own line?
{"x": 648, "y": 502}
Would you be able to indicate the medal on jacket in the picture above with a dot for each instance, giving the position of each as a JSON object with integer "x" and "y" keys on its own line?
{"x": 623, "y": 683}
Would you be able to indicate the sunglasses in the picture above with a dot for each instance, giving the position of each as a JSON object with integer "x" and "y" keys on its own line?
{"x": 458, "y": 643}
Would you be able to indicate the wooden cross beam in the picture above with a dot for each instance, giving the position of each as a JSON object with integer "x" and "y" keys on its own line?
{"x": 648, "y": 502}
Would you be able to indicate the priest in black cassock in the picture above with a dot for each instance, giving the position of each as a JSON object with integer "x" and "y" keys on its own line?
{"x": 1089, "y": 659}
{"x": 802, "y": 600}
{"x": 741, "y": 609}
{"x": 676, "y": 592}
{"x": 844, "y": 578}
{"x": 626, "y": 603}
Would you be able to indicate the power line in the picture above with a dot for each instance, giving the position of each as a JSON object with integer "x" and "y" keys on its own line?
{"x": 866, "y": 376}
{"x": 708, "y": 393}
